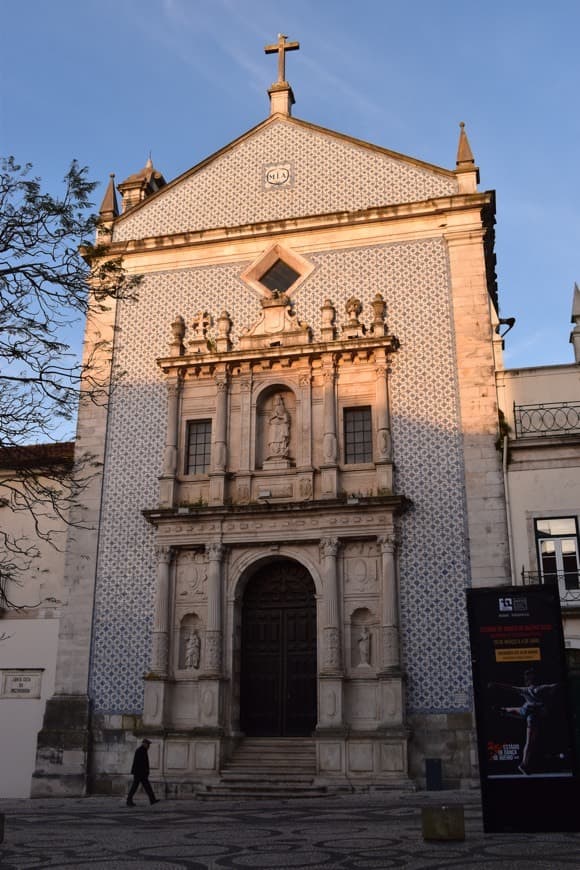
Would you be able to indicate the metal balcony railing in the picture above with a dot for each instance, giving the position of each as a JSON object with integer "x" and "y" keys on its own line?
{"x": 547, "y": 419}
{"x": 568, "y": 583}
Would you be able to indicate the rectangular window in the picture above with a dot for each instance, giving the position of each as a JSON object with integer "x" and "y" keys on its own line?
{"x": 198, "y": 447}
{"x": 557, "y": 542}
{"x": 358, "y": 435}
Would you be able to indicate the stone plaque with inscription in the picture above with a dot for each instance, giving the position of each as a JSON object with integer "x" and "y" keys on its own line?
{"x": 278, "y": 175}
{"x": 21, "y": 684}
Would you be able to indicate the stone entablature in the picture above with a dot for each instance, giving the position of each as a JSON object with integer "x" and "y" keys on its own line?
{"x": 362, "y": 518}
{"x": 462, "y": 213}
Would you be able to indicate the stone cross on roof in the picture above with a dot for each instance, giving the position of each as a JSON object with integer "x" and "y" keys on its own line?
{"x": 281, "y": 47}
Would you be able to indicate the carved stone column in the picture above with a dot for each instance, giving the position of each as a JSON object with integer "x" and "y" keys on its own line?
{"x": 221, "y": 420}
{"x": 332, "y": 639}
{"x": 383, "y": 455}
{"x": 247, "y": 436}
{"x": 219, "y": 457}
{"x": 391, "y": 656}
{"x": 160, "y": 652}
{"x": 167, "y": 479}
{"x": 214, "y": 633}
{"x": 330, "y": 711}
{"x": 329, "y": 476}
{"x": 392, "y": 700}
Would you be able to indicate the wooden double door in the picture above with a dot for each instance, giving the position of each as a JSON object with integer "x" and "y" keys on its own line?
{"x": 278, "y": 660}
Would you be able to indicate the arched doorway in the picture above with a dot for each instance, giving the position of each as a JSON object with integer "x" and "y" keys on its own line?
{"x": 278, "y": 663}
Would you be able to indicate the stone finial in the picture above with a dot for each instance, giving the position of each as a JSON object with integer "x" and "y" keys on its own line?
{"x": 353, "y": 328}
{"x": 224, "y": 325}
{"x": 466, "y": 170}
{"x": 379, "y": 307}
{"x": 178, "y": 334}
{"x": 464, "y": 152}
{"x": 281, "y": 95}
{"x": 328, "y": 330}
{"x": 353, "y": 309}
{"x": 109, "y": 209}
{"x": 575, "y": 334}
{"x": 199, "y": 326}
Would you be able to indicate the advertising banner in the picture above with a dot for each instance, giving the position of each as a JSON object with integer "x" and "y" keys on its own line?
{"x": 525, "y": 738}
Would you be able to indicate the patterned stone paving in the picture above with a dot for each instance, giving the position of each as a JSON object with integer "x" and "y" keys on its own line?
{"x": 355, "y": 831}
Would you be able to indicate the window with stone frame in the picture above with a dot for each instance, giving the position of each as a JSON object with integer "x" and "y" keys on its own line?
{"x": 279, "y": 277}
{"x": 198, "y": 448}
{"x": 557, "y": 548}
{"x": 277, "y": 269}
{"x": 358, "y": 435}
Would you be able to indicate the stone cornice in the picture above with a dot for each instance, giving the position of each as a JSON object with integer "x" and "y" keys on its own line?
{"x": 314, "y": 350}
{"x": 334, "y": 220}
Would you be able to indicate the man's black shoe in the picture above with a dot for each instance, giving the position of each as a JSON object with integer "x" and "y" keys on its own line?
{"x": 130, "y": 804}
{"x": 154, "y": 801}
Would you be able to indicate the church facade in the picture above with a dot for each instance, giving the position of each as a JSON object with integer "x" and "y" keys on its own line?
{"x": 299, "y": 469}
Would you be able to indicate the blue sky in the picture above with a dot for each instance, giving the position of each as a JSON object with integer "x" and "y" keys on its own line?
{"x": 107, "y": 82}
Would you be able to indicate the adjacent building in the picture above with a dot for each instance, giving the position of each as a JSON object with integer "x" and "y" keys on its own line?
{"x": 30, "y": 606}
{"x": 540, "y": 408}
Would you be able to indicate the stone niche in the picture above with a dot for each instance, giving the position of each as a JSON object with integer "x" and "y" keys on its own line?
{"x": 276, "y": 429}
{"x": 364, "y": 637}
{"x": 190, "y": 640}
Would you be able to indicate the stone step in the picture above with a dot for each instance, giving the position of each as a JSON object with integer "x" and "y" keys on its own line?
{"x": 267, "y": 776}
{"x": 272, "y": 761}
{"x": 260, "y": 791}
{"x": 274, "y": 752}
{"x": 268, "y": 767}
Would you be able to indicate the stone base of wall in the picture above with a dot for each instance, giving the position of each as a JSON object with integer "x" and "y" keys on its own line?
{"x": 449, "y": 737}
{"x": 63, "y": 748}
{"x": 184, "y": 762}
{"x": 363, "y": 759}
{"x": 181, "y": 761}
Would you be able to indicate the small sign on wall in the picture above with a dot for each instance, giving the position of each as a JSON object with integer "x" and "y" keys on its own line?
{"x": 21, "y": 684}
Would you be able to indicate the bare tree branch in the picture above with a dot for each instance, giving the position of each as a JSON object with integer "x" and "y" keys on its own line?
{"x": 46, "y": 258}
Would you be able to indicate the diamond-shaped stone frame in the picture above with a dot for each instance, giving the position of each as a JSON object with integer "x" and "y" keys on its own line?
{"x": 252, "y": 275}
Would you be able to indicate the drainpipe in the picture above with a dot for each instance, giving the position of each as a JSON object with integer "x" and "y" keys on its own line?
{"x": 508, "y": 509}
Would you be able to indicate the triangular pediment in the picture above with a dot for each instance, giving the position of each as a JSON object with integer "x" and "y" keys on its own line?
{"x": 284, "y": 169}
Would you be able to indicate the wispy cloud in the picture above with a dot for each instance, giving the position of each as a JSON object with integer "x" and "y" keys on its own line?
{"x": 353, "y": 95}
{"x": 203, "y": 37}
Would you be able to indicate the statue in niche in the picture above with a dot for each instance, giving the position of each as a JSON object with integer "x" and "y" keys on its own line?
{"x": 279, "y": 429}
{"x": 192, "y": 651}
{"x": 364, "y": 646}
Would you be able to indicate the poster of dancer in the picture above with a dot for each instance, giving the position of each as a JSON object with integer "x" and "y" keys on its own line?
{"x": 525, "y": 738}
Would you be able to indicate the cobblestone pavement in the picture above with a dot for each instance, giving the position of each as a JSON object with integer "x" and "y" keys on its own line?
{"x": 349, "y": 831}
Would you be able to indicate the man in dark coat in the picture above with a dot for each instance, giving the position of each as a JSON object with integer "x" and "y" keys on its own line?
{"x": 140, "y": 771}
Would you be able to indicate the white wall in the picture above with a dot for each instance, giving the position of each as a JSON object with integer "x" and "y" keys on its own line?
{"x": 31, "y": 644}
